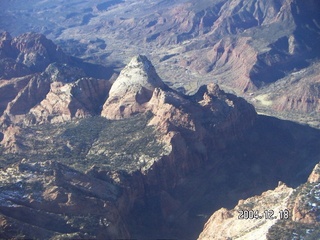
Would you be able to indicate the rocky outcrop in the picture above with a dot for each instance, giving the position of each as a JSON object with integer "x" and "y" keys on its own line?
{"x": 54, "y": 87}
{"x": 303, "y": 96}
{"x": 243, "y": 45}
{"x": 295, "y": 96}
{"x": 246, "y": 44}
{"x": 160, "y": 136}
{"x": 134, "y": 154}
{"x": 63, "y": 203}
{"x": 10, "y": 89}
{"x": 132, "y": 89}
{"x": 72, "y": 100}
{"x": 36, "y": 51}
{"x": 9, "y": 67}
{"x": 181, "y": 119}
{"x": 305, "y": 206}
{"x": 139, "y": 89}
{"x": 45, "y": 100}
{"x": 281, "y": 213}
{"x": 315, "y": 175}
{"x": 236, "y": 223}
{"x": 27, "y": 53}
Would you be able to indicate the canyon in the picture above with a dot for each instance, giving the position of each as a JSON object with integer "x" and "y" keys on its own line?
{"x": 159, "y": 119}
{"x": 252, "y": 48}
{"x": 128, "y": 156}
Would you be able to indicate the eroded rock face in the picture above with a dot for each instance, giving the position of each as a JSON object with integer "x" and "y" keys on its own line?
{"x": 161, "y": 137}
{"x": 44, "y": 100}
{"x": 139, "y": 89}
{"x": 137, "y": 157}
{"x": 190, "y": 125}
{"x": 315, "y": 175}
{"x": 73, "y": 100}
{"x": 27, "y": 53}
{"x": 293, "y": 212}
{"x": 132, "y": 89}
{"x": 294, "y": 95}
{"x": 224, "y": 224}
{"x": 62, "y": 201}
{"x": 41, "y": 84}
{"x": 244, "y": 45}
{"x": 36, "y": 52}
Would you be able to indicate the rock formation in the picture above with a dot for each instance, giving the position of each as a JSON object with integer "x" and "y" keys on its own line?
{"x": 133, "y": 158}
{"x": 132, "y": 89}
{"x": 163, "y": 119}
{"x": 245, "y": 46}
{"x": 30, "y": 52}
{"x": 48, "y": 86}
{"x": 139, "y": 89}
{"x": 282, "y": 213}
{"x": 235, "y": 224}
{"x": 64, "y": 203}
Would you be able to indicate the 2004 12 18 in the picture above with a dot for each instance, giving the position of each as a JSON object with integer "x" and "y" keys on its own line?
{"x": 266, "y": 214}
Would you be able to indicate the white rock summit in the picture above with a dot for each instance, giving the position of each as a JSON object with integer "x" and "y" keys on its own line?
{"x": 132, "y": 89}
{"x": 138, "y": 74}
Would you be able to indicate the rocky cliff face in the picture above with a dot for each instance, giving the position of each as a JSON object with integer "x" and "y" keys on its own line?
{"x": 27, "y": 53}
{"x": 282, "y": 213}
{"x": 139, "y": 89}
{"x": 48, "y": 86}
{"x": 236, "y": 224}
{"x": 64, "y": 203}
{"x": 293, "y": 96}
{"x": 132, "y": 89}
{"x": 155, "y": 127}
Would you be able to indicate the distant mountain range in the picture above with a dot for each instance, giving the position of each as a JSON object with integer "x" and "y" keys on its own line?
{"x": 267, "y": 52}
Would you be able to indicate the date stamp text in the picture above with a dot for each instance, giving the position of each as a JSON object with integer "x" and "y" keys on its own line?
{"x": 266, "y": 214}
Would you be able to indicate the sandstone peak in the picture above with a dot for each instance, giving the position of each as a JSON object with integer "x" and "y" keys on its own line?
{"x": 138, "y": 74}
{"x": 132, "y": 89}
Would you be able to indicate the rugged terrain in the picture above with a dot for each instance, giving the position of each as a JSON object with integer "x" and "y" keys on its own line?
{"x": 117, "y": 151}
{"x": 282, "y": 213}
{"x": 90, "y": 155}
{"x": 245, "y": 46}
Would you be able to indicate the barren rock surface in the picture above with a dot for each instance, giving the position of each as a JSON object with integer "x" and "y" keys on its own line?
{"x": 233, "y": 224}
{"x": 282, "y": 213}
{"x": 132, "y": 89}
{"x": 64, "y": 203}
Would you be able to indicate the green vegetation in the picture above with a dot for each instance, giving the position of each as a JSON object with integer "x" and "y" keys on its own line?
{"x": 285, "y": 229}
{"x": 89, "y": 222}
{"x": 127, "y": 144}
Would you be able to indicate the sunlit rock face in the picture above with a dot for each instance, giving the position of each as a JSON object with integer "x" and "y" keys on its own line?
{"x": 282, "y": 213}
{"x": 132, "y": 89}
{"x": 40, "y": 84}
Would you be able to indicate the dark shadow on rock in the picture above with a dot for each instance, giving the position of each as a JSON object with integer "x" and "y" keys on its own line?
{"x": 272, "y": 150}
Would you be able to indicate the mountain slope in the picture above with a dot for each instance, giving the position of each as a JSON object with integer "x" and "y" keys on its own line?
{"x": 242, "y": 45}
{"x": 282, "y": 213}
{"x": 132, "y": 157}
